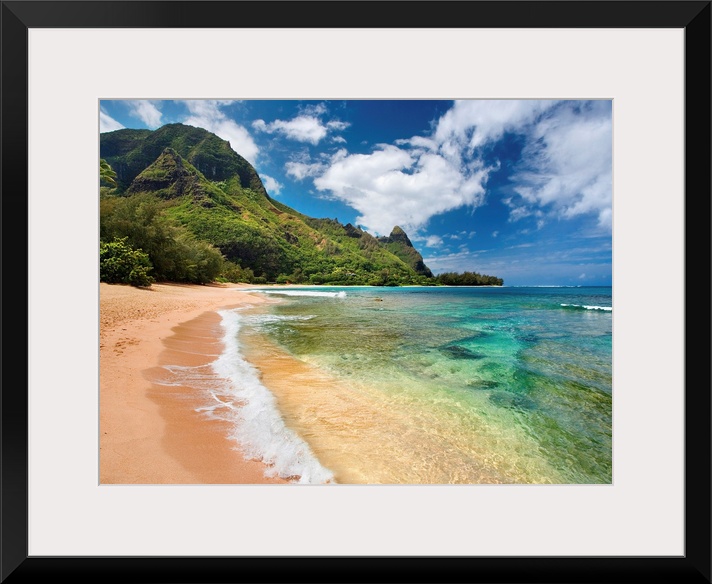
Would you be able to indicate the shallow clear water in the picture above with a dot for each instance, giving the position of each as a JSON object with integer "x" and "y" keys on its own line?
{"x": 436, "y": 385}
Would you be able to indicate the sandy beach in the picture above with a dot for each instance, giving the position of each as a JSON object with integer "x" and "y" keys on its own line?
{"x": 151, "y": 433}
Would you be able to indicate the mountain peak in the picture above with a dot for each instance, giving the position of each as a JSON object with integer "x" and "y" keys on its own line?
{"x": 169, "y": 176}
{"x": 400, "y": 245}
{"x": 129, "y": 152}
{"x": 397, "y": 236}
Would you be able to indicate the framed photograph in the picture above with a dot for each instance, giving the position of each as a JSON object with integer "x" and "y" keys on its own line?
{"x": 589, "y": 125}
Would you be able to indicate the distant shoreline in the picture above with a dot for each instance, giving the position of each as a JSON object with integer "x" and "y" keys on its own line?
{"x": 276, "y": 285}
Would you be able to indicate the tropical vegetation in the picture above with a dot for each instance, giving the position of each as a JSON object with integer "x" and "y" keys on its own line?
{"x": 179, "y": 204}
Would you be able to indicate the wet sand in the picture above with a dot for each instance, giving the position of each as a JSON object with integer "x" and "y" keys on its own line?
{"x": 151, "y": 433}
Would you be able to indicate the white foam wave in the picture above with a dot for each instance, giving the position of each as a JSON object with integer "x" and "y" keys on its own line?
{"x": 258, "y": 425}
{"x": 259, "y": 319}
{"x": 586, "y": 307}
{"x": 220, "y": 404}
{"x": 341, "y": 294}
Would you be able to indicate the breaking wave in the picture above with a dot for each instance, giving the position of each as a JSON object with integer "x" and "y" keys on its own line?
{"x": 341, "y": 294}
{"x": 585, "y": 307}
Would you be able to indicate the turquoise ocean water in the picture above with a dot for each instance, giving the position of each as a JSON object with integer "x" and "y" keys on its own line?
{"x": 426, "y": 385}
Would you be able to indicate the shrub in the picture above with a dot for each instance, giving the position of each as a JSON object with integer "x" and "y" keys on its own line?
{"x": 232, "y": 272}
{"x": 173, "y": 252}
{"x": 119, "y": 263}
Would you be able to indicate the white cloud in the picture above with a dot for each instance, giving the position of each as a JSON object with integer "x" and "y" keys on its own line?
{"x": 567, "y": 158}
{"x": 337, "y": 125}
{"x": 207, "y": 107}
{"x": 206, "y": 114}
{"x": 520, "y": 246}
{"x": 567, "y": 166}
{"x": 565, "y": 171}
{"x": 419, "y": 142}
{"x": 107, "y": 123}
{"x": 314, "y": 110}
{"x": 471, "y": 123}
{"x": 423, "y": 176}
{"x": 433, "y": 241}
{"x": 391, "y": 186}
{"x": 307, "y": 127}
{"x": 302, "y": 170}
{"x": 273, "y": 186}
{"x": 449, "y": 261}
{"x": 302, "y": 128}
{"x": 146, "y": 111}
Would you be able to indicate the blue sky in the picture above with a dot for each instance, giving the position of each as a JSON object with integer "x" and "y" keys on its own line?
{"x": 518, "y": 189}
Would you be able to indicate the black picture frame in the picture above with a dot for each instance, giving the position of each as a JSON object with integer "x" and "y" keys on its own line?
{"x": 19, "y": 16}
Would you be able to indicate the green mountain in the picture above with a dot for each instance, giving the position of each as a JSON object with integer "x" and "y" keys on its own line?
{"x": 180, "y": 193}
{"x": 129, "y": 152}
{"x": 399, "y": 245}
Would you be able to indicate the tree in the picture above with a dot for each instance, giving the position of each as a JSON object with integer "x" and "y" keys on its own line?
{"x": 175, "y": 254}
{"x": 107, "y": 177}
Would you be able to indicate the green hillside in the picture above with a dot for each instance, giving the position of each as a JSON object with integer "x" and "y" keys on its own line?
{"x": 400, "y": 245}
{"x": 179, "y": 204}
{"x": 129, "y": 152}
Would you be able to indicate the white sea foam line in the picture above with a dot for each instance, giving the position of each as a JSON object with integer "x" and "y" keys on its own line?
{"x": 341, "y": 294}
{"x": 259, "y": 319}
{"x": 258, "y": 425}
{"x": 212, "y": 408}
{"x": 606, "y": 308}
